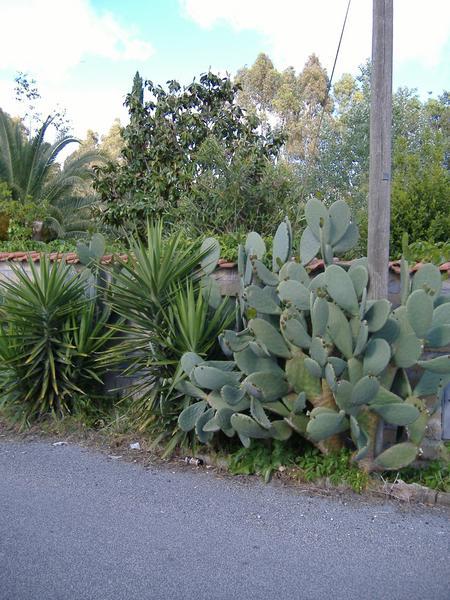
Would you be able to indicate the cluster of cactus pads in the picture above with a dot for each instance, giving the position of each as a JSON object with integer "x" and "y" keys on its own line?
{"x": 317, "y": 357}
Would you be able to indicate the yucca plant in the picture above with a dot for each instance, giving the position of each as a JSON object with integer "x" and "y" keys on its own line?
{"x": 191, "y": 320}
{"x": 168, "y": 305}
{"x": 48, "y": 342}
{"x": 87, "y": 336}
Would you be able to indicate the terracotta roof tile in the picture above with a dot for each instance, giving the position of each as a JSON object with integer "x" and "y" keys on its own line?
{"x": 72, "y": 258}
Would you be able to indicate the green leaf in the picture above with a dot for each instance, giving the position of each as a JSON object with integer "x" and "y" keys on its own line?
{"x": 212, "y": 378}
{"x": 376, "y": 357}
{"x": 340, "y": 287}
{"x": 270, "y": 337}
{"x": 360, "y": 278}
{"x": 281, "y": 246}
{"x": 265, "y": 274}
{"x": 248, "y": 427}
{"x": 295, "y": 294}
{"x": 266, "y": 386}
{"x": 211, "y": 247}
{"x": 326, "y": 424}
{"x": 339, "y": 330}
{"x": 428, "y": 278}
{"x": 439, "y": 365}
{"x": 396, "y": 414}
{"x": 397, "y": 457}
{"x": 261, "y": 300}
{"x": 340, "y": 217}
{"x": 419, "y": 307}
{"x": 258, "y": 413}
{"x": 317, "y": 217}
{"x": 254, "y": 245}
{"x": 189, "y": 416}
{"x": 185, "y": 387}
{"x": 309, "y": 246}
{"x": 377, "y": 314}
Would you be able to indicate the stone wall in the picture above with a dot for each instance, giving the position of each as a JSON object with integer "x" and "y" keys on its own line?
{"x": 6, "y": 271}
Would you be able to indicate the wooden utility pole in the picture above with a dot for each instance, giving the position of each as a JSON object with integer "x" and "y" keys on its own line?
{"x": 380, "y": 149}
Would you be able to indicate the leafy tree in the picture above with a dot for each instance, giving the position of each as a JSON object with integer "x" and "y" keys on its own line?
{"x": 30, "y": 168}
{"x": 111, "y": 144}
{"x": 137, "y": 90}
{"x": 259, "y": 85}
{"x": 244, "y": 190}
{"x": 27, "y": 94}
{"x": 295, "y": 102}
{"x": 419, "y": 200}
{"x": 159, "y": 165}
{"x": 420, "y": 194}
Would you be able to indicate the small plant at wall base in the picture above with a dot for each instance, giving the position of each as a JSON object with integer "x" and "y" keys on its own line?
{"x": 316, "y": 357}
{"x": 435, "y": 475}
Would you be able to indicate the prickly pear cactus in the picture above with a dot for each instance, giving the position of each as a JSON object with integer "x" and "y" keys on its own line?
{"x": 315, "y": 356}
{"x": 92, "y": 252}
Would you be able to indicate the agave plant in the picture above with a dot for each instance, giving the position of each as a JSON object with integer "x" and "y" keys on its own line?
{"x": 316, "y": 357}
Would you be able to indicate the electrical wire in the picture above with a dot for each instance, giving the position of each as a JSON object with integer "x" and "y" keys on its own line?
{"x": 327, "y": 94}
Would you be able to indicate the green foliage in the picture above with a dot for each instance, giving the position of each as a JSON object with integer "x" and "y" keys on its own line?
{"x": 262, "y": 458}
{"x": 29, "y": 167}
{"x": 302, "y": 462}
{"x": 296, "y": 99}
{"x": 160, "y": 160}
{"x": 169, "y": 309}
{"x": 420, "y": 198}
{"x": 338, "y": 467}
{"x": 333, "y": 163}
{"x": 435, "y": 475}
{"x": 50, "y": 341}
{"x": 316, "y": 357}
{"x": 238, "y": 187}
{"x": 229, "y": 243}
{"x": 437, "y": 253}
{"x": 42, "y": 191}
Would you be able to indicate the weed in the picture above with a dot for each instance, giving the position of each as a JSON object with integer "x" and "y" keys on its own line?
{"x": 336, "y": 466}
{"x": 265, "y": 458}
{"x": 262, "y": 458}
{"x": 435, "y": 475}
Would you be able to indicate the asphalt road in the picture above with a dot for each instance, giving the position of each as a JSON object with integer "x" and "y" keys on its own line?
{"x": 75, "y": 525}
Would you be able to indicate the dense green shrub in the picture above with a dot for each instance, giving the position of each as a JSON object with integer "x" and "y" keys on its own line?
{"x": 420, "y": 196}
{"x": 51, "y": 337}
{"x": 233, "y": 189}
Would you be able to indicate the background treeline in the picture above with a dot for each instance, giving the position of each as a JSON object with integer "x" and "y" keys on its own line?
{"x": 222, "y": 156}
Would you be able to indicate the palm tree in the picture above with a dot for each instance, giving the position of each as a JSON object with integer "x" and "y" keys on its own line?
{"x": 29, "y": 167}
{"x": 70, "y": 217}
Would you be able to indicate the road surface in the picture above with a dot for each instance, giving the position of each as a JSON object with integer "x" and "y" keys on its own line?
{"x": 75, "y": 525}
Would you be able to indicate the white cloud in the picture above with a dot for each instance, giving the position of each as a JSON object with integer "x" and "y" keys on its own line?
{"x": 50, "y": 37}
{"x": 88, "y": 107}
{"x": 293, "y": 29}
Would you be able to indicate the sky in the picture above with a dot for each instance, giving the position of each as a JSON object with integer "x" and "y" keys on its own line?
{"x": 84, "y": 53}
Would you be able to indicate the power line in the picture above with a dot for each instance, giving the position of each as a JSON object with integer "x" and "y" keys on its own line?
{"x": 327, "y": 94}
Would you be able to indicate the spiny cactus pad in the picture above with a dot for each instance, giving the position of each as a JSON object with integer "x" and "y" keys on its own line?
{"x": 316, "y": 357}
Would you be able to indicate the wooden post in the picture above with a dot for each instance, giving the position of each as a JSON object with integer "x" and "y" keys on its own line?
{"x": 380, "y": 149}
